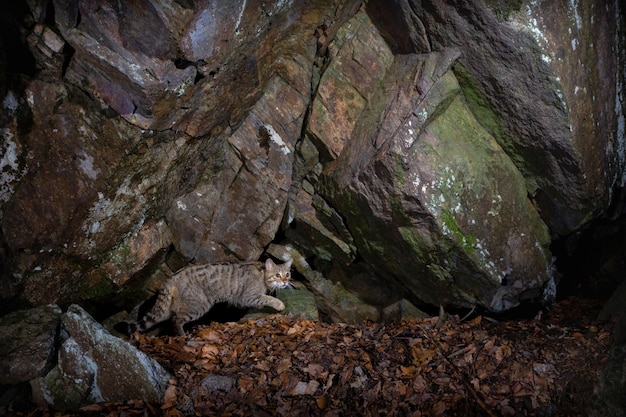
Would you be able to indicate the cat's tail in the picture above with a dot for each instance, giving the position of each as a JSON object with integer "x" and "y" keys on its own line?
{"x": 130, "y": 327}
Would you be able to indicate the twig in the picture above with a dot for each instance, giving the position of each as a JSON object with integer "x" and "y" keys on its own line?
{"x": 460, "y": 352}
{"x": 468, "y": 314}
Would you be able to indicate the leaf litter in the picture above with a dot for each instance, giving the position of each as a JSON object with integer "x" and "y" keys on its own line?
{"x": 278, "y": 365}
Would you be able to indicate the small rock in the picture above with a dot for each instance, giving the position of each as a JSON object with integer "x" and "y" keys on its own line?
{"x": 216, "y": 383}
{"x": 402, "y": 309}
{"x": 299, "y": 303}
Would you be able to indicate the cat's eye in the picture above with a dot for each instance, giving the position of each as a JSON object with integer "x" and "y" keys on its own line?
{"x": 288, "y": 275}
{"x": 277, "y": 275}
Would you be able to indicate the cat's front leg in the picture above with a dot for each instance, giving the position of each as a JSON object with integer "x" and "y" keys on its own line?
{"x": 268, "y": 300}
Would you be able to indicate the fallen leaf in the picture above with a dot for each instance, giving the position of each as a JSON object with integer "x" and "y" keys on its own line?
{"x": 314, "y": 369}
{"x": 305, "y": 388}
{"x": 295, "y": 367}
{"x": 262, "y": 366}
{"x": 283, "y": 365}
{"x": 210, "y": 335}
{"x": 322, "y": 402}
{"x": 408, "y": 371}
{"x": 209, "y": 351}
{"x": 245, "y": 384}
{"x": 169, "y": 397}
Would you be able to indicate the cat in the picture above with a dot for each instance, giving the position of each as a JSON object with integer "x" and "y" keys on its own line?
{"x": 190, "y": 293}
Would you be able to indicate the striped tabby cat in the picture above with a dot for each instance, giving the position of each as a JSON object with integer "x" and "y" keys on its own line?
{"x": 190, "y": 293}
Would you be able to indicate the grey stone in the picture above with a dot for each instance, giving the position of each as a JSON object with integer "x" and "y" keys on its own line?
{"x": 94, "y": 366}
{"x": 27, "y": 343}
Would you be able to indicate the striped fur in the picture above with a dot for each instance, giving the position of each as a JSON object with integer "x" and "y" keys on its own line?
{"x": 190, "y": 293}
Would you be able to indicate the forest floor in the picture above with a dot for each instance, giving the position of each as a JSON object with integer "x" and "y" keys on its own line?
{"x": 279, "y": 365}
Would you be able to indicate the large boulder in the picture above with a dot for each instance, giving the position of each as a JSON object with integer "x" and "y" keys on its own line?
{"x": 94, "y": 366}
{"x": 425, "y": 190}
{"x": 209, "y": 223}
{"x": 449, "y": 154}
{"x": 70, "y": 361}
{"x": 530, "y": 71}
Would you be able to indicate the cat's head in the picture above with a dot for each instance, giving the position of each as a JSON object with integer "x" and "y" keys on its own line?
{"x": 277, "y": 276}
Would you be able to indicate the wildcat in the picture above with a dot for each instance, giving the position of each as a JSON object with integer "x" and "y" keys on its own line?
{"x": 190, "y": 293}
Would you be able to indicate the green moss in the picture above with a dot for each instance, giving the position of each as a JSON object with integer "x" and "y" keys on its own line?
{"x": 503, "y": 8}
{"x": 99, "y": 291}
{"x": 418, "y": 243}
{"x": 399, "y": 173}
{"x": 467, "y": 241}
{"x": 482, "y": 110}
{"x": 441, "y": 95}
{"x": 479, "y": 105}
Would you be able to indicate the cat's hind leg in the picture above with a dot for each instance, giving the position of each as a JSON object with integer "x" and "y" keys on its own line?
{"x": 179, "y": 322}
{"x": 186, "y": 315}
{"x": 161, "y": 311}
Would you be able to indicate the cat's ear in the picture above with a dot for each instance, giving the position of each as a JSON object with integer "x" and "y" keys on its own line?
{"x": 269, "y": 265}
{"x": 288, "y": 263}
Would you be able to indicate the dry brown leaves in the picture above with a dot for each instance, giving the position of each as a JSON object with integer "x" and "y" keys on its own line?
{"x": 283, "y": 366}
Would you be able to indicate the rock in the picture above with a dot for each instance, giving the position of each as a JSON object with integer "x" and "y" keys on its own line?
{"x": 320, "y": 230}
{"x": 137, "y": 252}
{"x": 513, "y": 85}
{"x": 402, "y": 309}
{"x": 215, "y": 383}
{"x": 299, "y": 302}
{"x": 199, "y": 50}
{"x": 614, "y": 307}
{"x": 116, "y": 59}
{"x": 27, "y": 343}
{"x": 334, "y": 301}
{"x": 609, "y": 393}
{"x": 348, "y": 83}
{"x": 428, "y": 202}
{"x": 94, "y": 366}
{"x": 90, "y": 195}
{"x": 208, "y": 223}
{"x": 86, "y": 200}
{"x": 591, "y": 176}
{"x": 47, "y": 47}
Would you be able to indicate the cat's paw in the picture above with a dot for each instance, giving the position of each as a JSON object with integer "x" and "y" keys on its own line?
{"x": 279, "y": 305}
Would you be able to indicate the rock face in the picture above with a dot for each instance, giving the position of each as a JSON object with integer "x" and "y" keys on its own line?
{"x": 411, "y": 151}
